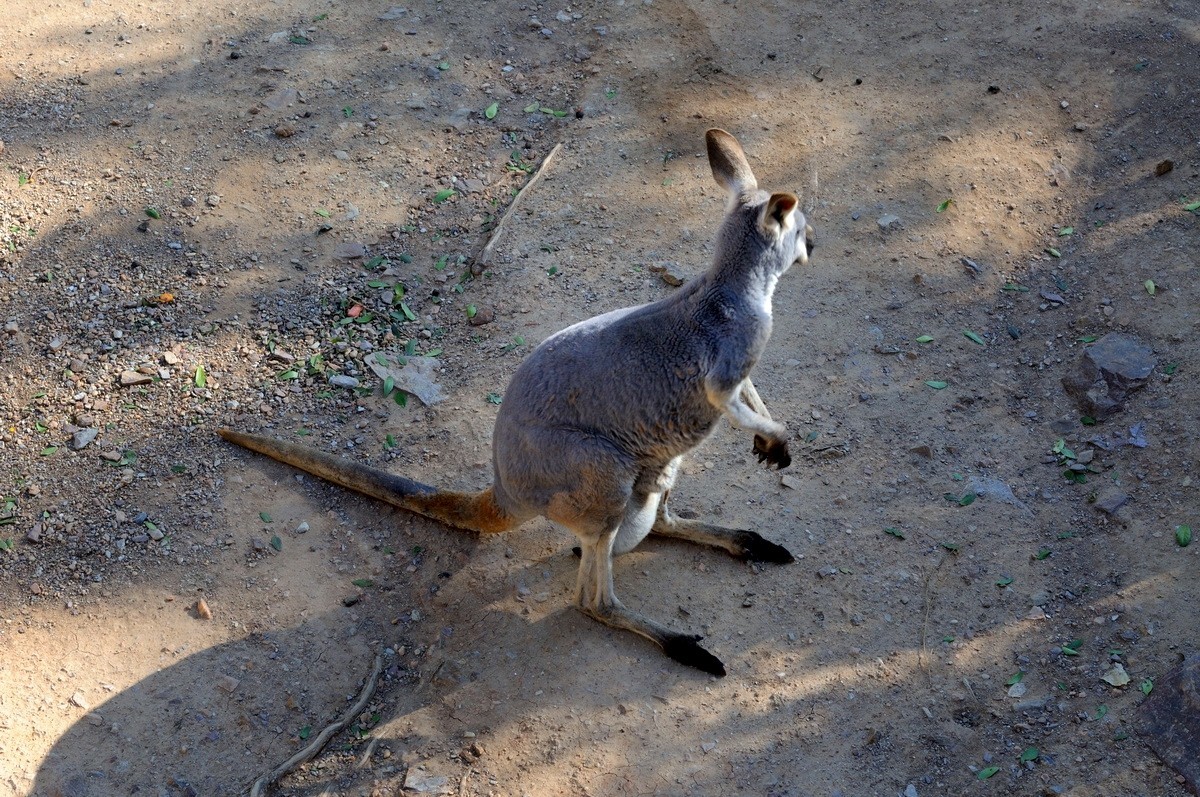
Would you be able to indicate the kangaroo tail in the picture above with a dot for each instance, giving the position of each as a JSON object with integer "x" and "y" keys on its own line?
{"x": 471, "y": 511}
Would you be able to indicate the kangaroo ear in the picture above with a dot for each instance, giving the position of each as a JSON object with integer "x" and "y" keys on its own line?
{"x": 778, "y": 211}
{"x": 728, "y": 162}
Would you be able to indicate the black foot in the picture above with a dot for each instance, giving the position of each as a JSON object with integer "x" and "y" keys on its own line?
{"x": 683, "y": 649}
{"x": 772, "y": 453}
{"x": 756, "y": 548}
{"x": 578, "y": 552}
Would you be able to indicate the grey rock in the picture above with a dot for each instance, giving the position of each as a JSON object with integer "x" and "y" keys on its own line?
{"x": 281, "y": 98}
{"x": 341, "y": 154}
{"x": 12, "y": 327}
{"x": 910, "y": 791}
{"x": 460, "y": 118}
{"x": 1110, "y": 501}
{"x": 889, "y": 221}
{"x": 472, "y": 185}
{"x": 393, "y": 13}
{"x": 350, "y": 250}
{"x": 212, "y": 200}
{"x": 1108, "y": 371}
{"x": 155, "y": 533}
{"x": 341, "y": 380}
{"x": 483, "y": 315}
{"x": 81, "y": 439}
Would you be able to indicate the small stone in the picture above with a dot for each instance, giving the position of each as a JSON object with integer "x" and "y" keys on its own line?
{"x": 35, "y": 588}
{"x": 910, "y": 791}
{"x": 341, "y": 154}
{"x": 110, "y": 456}
{"x": 227, "y": 683}
{"x": 460, "y": 118}
{"x": 12, "y": 327}
{"x": 155, "y": 533}
{"x": 258, "y": 544}
{"x": 671, "y": 272}
{"x": 350, "y": 250}
{"x": 77, "y": 365}
{"x": 472, "y": 185}
{"x": 56, "y": 344}
{"x": 212, "y": 200}
{"x": 188, "y": 202}
{"x": 285, "y": 131}
{"x": 708, "y": 747}
{"x": 170, "y": 358}
{"x": 79, "y": 700}
{"x": 341, "y": 380}
{"x": 1110, "y": 501}
{"x": 81, "y": 439}
{"x": 790, "y": 482}
{"x": 303, "y": 527}
{"x": 1018, "y": 689}
{"x": 889, "y": 221}
{"x": 35, "y": 533}
{"x": 1039, "y": 598}
{"x": 484, "y": 314}
{"x": 1107, "y": 372}
{"x": 133, "y": 378}
{"x": 1116, "y": 676}
{"x": 393, "y": 13}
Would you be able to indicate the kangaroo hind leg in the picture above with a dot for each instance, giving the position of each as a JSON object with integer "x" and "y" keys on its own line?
{"x": 748, "y": 545}
{"x": 597, "y": 599}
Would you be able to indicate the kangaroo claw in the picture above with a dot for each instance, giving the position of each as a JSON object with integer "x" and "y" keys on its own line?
{"x": 756, "y": 548}
{"x": 686, "y": 650}
{"x": 771, "y": 452}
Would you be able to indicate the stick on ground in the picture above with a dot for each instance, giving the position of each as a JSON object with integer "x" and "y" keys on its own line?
{"x": 485, "y": 257}
{"x": 324, "y": 736}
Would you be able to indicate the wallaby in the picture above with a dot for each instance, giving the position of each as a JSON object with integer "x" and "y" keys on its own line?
{"x": 595, "y": 422}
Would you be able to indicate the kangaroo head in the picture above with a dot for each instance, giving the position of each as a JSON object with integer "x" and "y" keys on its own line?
{"x": 769, "y": 228}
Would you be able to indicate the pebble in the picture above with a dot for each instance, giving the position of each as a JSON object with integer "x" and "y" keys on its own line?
{"x": 285, "y": 131}
{"x": 790, "y": 482}
{"x": 889, "y": 221}
{"x": 12, "y": 328}
{"x": 350, "y": 250}
{"x": 227, "y": 683}
{"x": 1111, "y": 501}
{"x": 35, "y": 532}
{"x": 79, "y": 700}
{"x": 133, "y": 378}
{"x": 483, "y": 315}
{"x": 303, "y": 527}
{"x": 170, "y": 358}
{"x": 341, "y": 380}
{"x": 155, "y": 534}
{"x": 212, "y": 200}
{"x": 341, "y": 154}
{"x": 910, "y": 791}
{"x": 81, "y": 439}
{"x": 258, "y": 544}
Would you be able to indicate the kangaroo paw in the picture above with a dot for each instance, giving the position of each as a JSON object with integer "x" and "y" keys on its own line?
{"x": 771, "y": 452}
{"x": 756, "y": 548}
{"x": 685, "y": 650}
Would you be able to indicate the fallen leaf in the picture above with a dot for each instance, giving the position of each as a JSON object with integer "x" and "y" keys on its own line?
{"x": 490, "y": 111}
{"x": 936, "y": 384}
{"x": 973, "y": 337}
{"x": 1183, "y": 536}
{"x": 1116, "y": 675}
{"x": 1150, "y": 287}
{"x": 944, "y": 205}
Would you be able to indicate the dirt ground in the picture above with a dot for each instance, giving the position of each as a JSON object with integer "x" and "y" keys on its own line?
{"x": 283, "y": 171}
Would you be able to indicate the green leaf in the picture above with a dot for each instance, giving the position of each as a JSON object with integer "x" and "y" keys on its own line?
{"x": 1004, "y": 582}
{"x": 471, "y": 310}
{"x": 1101, "y": 712}
{"x": 347, "y": 112}
{"x": 266, "y": 518}
{"x": 201, "y": 378}
{"x": 1147, "y": 686}
{"x": 1015, "y": 678}
{"x": 440, "y": 265}
{"x": 291, "y": 373}
{"x": 1088, "y": 339}
{"x": 490, "y": 111}
{"x": 363, "y": 583}
{"x": 1074, "y": 645}
{"x": 444, "y": 65}
{"x": 1170, "y": 368}
{"x": 299, "y": 40}
{"x": 952, "y": 547}
{"x": 973, "y": 337}
{"x": 179, "y": 469}
{"x": 388, "y": 385}
{"x": 23, "y": 178}
{"x": 408, "y": 313}
{"x": 401, "y": 398}
{"x": 433, "y": 352}
{"x": 947, "y": 639}
{"x": 322, "y": 212}
{"x": 925, "y": 339}
{"x": 1050, "y": 250}
{"x": 443, "y": 195}
{"x": 153, "y": 213}
{"x": 277, "y": 543}
{"x": 410, "y": 347}
{"x": 1150, "y": 287}
{"x": 1065, "y": 231}
{"x": 944, "y": 205}
{"x": 48, "y": 450}
{"x": 1087, "y": 420}
{"x": 984, "y": 774}
{"x": 1183, "y": 536}
{"x": 895, "y": 532}
{"x": 389, "y": 442}
{"x": 936, "y": 384}
{"x": 967, "y": 499}
{"x": 1042, "y": 554}
{"x": 377, "y": 284}
{"x": 494, "y": 398}
{"x": 1029, "y": 754}
{"x": 530, "y": 108}
{"x": 1012, "y": 286}
{"x": 1192, "y": 207}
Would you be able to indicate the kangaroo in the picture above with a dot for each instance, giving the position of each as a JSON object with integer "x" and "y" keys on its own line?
{"x": 595, "y": 422}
